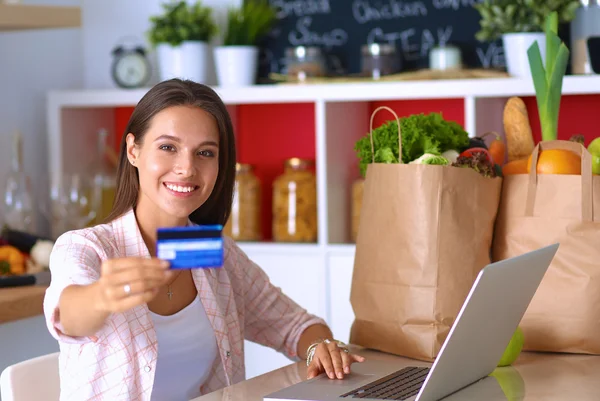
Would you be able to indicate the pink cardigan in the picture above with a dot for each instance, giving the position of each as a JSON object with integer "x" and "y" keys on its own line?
{"x": 118, "y": 363}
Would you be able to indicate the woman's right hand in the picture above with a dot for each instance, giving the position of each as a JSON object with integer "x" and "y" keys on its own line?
{"x": 128, "y": 282}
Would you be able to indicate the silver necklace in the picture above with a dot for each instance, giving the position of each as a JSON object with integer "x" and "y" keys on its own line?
{"x": 169, "y": 291}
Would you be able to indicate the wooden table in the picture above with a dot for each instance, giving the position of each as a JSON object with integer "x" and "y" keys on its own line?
{"x": 21, "y": 302}
{"x": 533, "y": 377}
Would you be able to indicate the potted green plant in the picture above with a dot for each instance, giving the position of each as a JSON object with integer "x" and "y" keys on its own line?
{"x": 181, "y": 35}
{"x": 237, "y": 58}
{"x": 520, "y": 23}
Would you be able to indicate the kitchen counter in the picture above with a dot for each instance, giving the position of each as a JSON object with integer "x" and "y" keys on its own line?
{"x": 533, "y": 377}
{"x": 21, "y": 302}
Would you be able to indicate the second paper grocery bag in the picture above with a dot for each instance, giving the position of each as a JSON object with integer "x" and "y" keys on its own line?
{"x": 424, "y": 234}
{"x": 538, "y": 209}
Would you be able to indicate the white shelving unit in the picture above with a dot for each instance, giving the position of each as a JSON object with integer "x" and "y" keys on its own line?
{"x": 317, "y": 276}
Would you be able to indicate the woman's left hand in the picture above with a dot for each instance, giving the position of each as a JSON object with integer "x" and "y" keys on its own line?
{"x": 331, "y": 359}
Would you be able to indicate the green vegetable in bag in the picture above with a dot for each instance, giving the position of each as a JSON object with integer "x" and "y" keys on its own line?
{"x": 428, "y": 158}
{"x": 421, "y": 134}
{"x": 548, "y": 80}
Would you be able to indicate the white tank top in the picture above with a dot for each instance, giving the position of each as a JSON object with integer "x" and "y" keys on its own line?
{"x": 187, "y": 348}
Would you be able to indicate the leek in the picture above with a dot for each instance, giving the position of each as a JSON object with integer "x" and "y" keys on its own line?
{"x": 548, "y": 81}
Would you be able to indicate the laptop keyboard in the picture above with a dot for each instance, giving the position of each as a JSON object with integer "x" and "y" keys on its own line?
{"x": 399, "y": 385}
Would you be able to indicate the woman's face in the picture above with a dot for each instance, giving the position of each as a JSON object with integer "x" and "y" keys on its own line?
{"x": 178, "y": 162}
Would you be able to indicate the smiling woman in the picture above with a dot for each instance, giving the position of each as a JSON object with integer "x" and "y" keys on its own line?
{"x": 112, "y": 303}
{"x": 177, "y": 163}
{"x": 179, "y": 123}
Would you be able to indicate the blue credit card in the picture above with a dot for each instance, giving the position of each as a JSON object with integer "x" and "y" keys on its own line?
{"x": 191, "y": 247}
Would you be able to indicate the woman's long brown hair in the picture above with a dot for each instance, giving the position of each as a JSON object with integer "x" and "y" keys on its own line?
{"x": 177, "y": 92}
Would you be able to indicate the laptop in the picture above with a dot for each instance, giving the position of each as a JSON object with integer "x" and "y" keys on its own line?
{"x": 483, "y": 329}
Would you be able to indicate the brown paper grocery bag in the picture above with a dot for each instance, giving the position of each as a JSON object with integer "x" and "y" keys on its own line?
{"x": 538, "y": 210}
{"x": 425, "y": 232}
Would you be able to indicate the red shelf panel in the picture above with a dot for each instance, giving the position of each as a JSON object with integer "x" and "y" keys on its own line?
{"x": 266, "y": 135}
{"x": 576, "y": 116}
{"x": 122, "y": 115}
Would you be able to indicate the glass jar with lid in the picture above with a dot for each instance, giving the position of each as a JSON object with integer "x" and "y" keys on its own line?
{"x": 244, "y": 221}
{"x": 295, "y": 203}
{"x": 304, "y": 62}
{"x": 379, "y": 60}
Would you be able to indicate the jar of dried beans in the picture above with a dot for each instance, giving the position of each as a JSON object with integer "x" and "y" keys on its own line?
{"x": 295, "y": 203}
{"x": 244, "y": 221}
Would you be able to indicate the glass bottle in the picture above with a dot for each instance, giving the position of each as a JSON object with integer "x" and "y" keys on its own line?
{"x": 295, "y": 203}
{"x": 104, "y": 178}
{"x": 19, "y": 210}
{"x": 244, "y": 222}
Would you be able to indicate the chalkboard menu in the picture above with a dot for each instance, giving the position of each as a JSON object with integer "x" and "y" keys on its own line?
{"x": 341, "y": 27}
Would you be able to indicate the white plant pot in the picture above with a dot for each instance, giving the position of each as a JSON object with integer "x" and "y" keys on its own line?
{"x": 236, "y": 65}
{"x": 187, "y": 61}
{"x": 515, "y": 51}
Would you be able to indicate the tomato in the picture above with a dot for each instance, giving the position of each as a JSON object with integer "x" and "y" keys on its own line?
{"x": 472, "y": 151}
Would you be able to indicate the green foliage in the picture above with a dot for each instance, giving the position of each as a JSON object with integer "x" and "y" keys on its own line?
{"x": 548, "y": 81}
{"x": 421, "y": 133}
{"x": 509, "y": 16}
{"x": 181, "y": 22}
{"x": 248, "y": 24}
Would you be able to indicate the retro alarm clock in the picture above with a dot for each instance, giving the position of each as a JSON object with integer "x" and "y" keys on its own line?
{"x": 130, "y": 67}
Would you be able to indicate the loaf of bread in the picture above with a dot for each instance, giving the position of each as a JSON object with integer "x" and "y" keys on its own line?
{"x": 519, "y": 139}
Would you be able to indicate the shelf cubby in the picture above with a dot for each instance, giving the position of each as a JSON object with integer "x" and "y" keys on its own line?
{"x": 346, "y": 123}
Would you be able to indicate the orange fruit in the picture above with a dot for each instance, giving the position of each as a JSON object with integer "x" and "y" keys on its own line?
{"x": 515, "y": 167}
{"x": 557, "y": 161}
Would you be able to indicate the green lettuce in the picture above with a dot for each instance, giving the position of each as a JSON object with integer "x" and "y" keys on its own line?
{"x": 429, "y": 158}
{"x": 421, "y": 133}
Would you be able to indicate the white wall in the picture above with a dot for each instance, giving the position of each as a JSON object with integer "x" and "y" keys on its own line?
{"x": 110, "y": 22}
{"x": 32, "y": 63}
